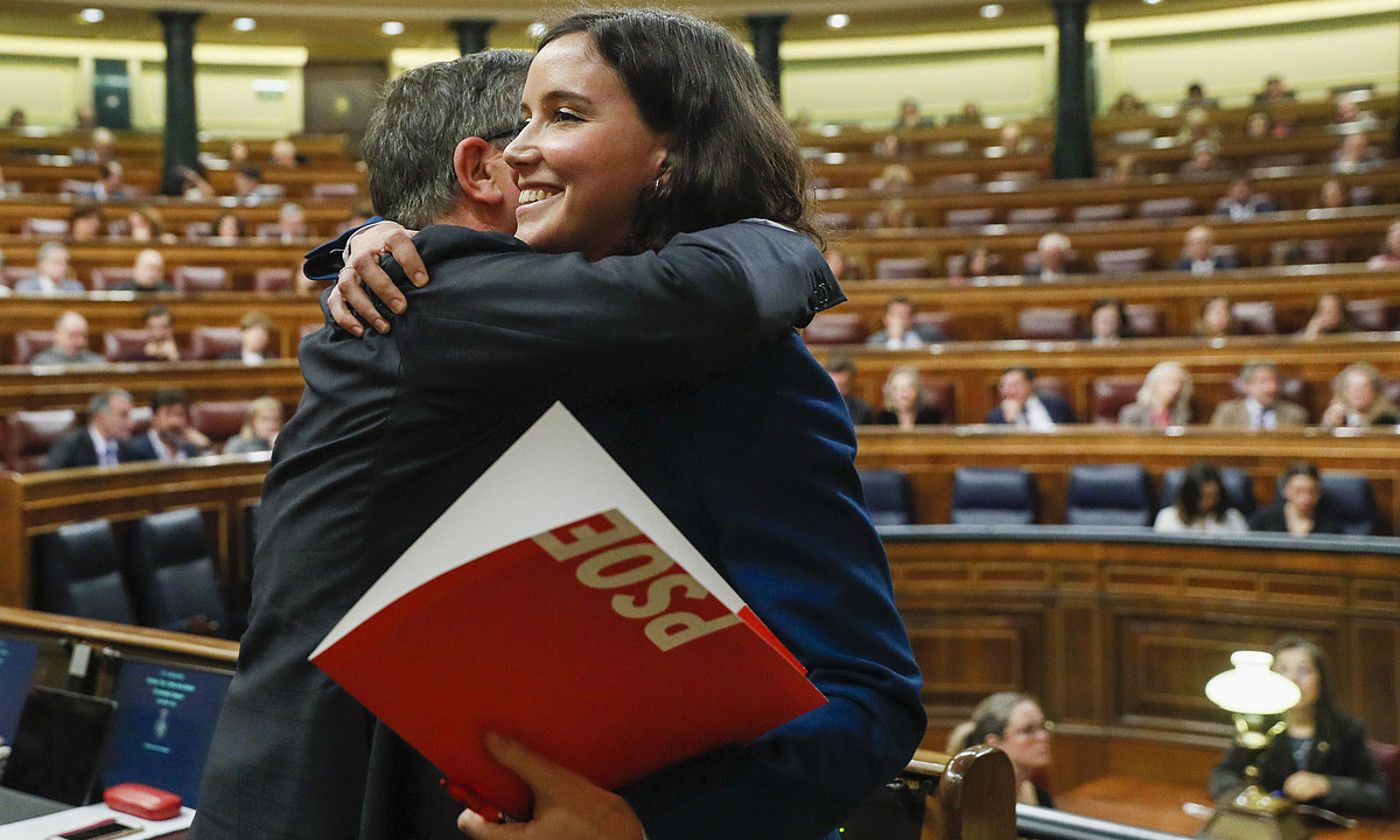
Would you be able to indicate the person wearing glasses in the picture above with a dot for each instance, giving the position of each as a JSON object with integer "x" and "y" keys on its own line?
{"x": 1014, "y": 723}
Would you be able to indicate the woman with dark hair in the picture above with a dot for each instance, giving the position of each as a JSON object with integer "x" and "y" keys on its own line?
{"x": 1296, "y": 511}
{"x": 1012, "y": 722}
{"x": 1321, "y": 757}
{"x": 1108, "y": 321}
{"x": 1201, "y": 505}
{"x": 640, "y": 125}
{"x": 1216, "y": 319}
{"x": 1330, "y": 317}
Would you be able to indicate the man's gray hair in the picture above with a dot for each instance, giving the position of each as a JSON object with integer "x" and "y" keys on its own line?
{"x": 1247, "y": 372}
{"x": 424, "y": 114}
{"x": 100, "y": 402}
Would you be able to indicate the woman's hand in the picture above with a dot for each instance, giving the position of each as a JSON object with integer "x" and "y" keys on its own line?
{"x": 1304, "y": 787}
{"x": 567, "y": 806}
{"x": 1335, "y": 415}
{"x": 361, "y": 271}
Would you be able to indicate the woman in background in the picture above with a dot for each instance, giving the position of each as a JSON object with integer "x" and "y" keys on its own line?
{"x": 904, "y": 402}
{"x": 1201, "y": 505}
{"x": 1012, "y": 722}
{"x": 1321, "y": 757}
{"x": 1163, "y": 400}
{"x": 260, "y": 428}
{"x": 1359, "y": 400}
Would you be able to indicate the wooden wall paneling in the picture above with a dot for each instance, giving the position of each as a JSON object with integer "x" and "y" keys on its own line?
{"x": 22, "y": 388}
{"x": 1370, "y": 685}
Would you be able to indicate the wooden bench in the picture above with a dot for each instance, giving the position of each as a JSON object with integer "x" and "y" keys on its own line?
{"x": 324, "y": 217}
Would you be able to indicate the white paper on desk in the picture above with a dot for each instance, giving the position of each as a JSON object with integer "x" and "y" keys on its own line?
{"x": 555, "y": 473}
{"x": 41, "y": 828}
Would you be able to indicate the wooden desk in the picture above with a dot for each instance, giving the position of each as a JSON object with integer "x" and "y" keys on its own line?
{"x": 240, "y": 259}
{"x": 324, "y": 217}
{"x": 49, "y": 178}
{"x": 1157, "y": 805}
{"x": 150, "y": 145}
{"x": 24, "y": 388}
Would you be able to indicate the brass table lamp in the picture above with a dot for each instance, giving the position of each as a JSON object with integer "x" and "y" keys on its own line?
{"x": 1252, "y": 692}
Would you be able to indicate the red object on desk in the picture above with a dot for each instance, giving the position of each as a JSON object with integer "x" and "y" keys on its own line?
{"x": 144, "y": 801}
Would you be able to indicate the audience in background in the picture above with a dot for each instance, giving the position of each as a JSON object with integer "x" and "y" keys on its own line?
{"x": 909, "y": 116}
{"x": 895, "y": 176}
{"x": 1052, "y": 255}
{"x": 1163, "y": 400}
{"x": 228, "y": 227}
{"x": 1332, "y": 195}
{"x": 842, "y": 370}
{"x": 291, "y": 222}
{"x": 1258, "y": 126}
{"x": 1389, "y": 257}
{"x": 970, "y": 114}
{"x": 1014, "y": 141}
{"x": 1204, "y": 162}
{"x": 1216, "y": 319}
{"x": 1321, "y": 757}
{"x": 111, "y": 186}
{"x": 900, "y": 332}
{"x": 1127, "y": 168}
{"x": 238, "y": 152}
{"x": 248, "y": 187}
{"x": 1356, "y": 153}
{"x": 905, "y": 404}
{"x": 102, "y": 149}
{"x": 50, "y": 273}
{"x": 260, "y": 428}
{"x": 1127, "y": 103}
{"x": 17, "y": 119}
{"x": 1295, "y": 511}
{"x": 1196, "y": 127}
{"x": 1240, "y": 203}
{"x": 841, "y": 267}
{"x": 254, "y": 339}
{"x": 85, "y": 223}
{"x": 1196, "y": 98}
{"x": 147, "y": 274}
{"x": 975, "y": 264}
{"x": 170, "y": 438}
{"x": 144, "y": 224}
{"x": 160, "y": 336}
{"x": 70, "y": 344}
{"x": 1021, "y": 405}
{"x": 1359, "y": 400}
{"x": 106, "y": 439}
{"x": 284, "y": 154}
{"x": 188, "y": 182}
{"x": 1013, "y": 723}
{"x": 1108, "y": 322}
{"x": 1274, "y": 93}
{"x": 1330, "y": 317}
{"x": 1261, "y": 407}
{"x": 1199, "y": 256}
{"x": 892, "y": 215}
{"x": 1201, "y": 505}
{"x": 1349, "y": 113}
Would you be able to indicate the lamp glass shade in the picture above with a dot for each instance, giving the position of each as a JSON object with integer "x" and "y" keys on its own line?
{"x": 1251, "y": 688}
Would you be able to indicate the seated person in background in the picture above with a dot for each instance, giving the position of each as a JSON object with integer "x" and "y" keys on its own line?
{"x": 976, "y": 264}
{"x": 899, "y": 332}
{"x": 50, "y": 273}
{"x": 1295, "y": 512}
{"x": 1163, "y": 400}
{"x": 160, "y": 336}
{"x": 896, "y": 176}
{"x": 909, "y": 116}
{"x": 1258, "y": 126}
{"x": 1332, "y": 195}
{"x": 147, "y": 274}
{"x": 1198, "y": 254}
{"x": 1350, "y": 113}
{"x": 970, "y": 114}
{"x": 1127, "y": 103}
{"x": 1355, "y": 152}
{"x": 1204, "y": 162}
{"x": 892, "y": 215}
{"x": 248, "y": 187}
{"x": 1329, "y": 318}
{"x": 111, "y": 186}
{"x": 85, "y": 223}
{"x": 1216, "y": 320}
{"x": 106, "y": 439}
{"x": 1195, "y": 127}
{"x": 284, "y": 154}
{"x": 1196, "y": 98}
{"x": 70, "y": 344}
{"x": 1358, "y": 399}
{"x": 291, "y": 221}
{"x": 227, "y": 227}
{"x": 254, "y": 338}
{"x": 1014, "y": 140}
{"x": 260, "y": 428}
{"x": 1052, "y": 252}
{"x": 890, "y": 146}
{"x": 904, "y": 401}
{"x": 1108, "y": 322}
{"x": 1021, "y": 405}
{"x": 842, "y": 370}
{"x": 1240, "y": 203}
{"x": 17, "y": 119}
{"x": 1201, "y": 505}
{"x": 189, "y": 183}
{"x": 843, "y": 268}
{"x": 144, "y": 224}
{"x": 103, "y": 148}
{"x": 1261, "y": 407}
{"x": 1013, "y": 723}
{"x": 1321, "y": 757}
{"x": 1274, "y": 93}
{"x": 170, "y": 438}
{"x": 1126, "y": 168}
{"x": 238, "y": 152}
{"x": 1389, "y": 257}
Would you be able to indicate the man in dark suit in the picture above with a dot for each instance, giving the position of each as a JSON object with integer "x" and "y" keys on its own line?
{"x": 391, "y": 430}
{"x": 1199, "y": 256}
{"x": 106, "y": 439}
{"x": 1021, "y": 405}
{"x": 842, "y": 370}
{"x": 170, "y": 439}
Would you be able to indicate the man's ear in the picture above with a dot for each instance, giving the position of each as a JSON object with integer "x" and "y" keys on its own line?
{"x": 469, "y": 161}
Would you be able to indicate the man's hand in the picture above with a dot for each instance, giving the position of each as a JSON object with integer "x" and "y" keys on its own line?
{"x": 362, "y": 253}
{"x": 1304, "y": 787}
{"x": 567, "y": 806}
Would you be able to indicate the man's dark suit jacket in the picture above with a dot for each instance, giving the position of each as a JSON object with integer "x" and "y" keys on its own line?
{"x": 392, "y": 429}
{"x": 1055, "y": 406}
{"x": 1272, "y": 518}
{"x": 1222, "y": 262}
{"x": 145, "y": 450}
{"x": 75, "y": 449}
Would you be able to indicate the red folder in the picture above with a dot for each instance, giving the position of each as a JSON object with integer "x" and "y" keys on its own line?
{"x": 600, "y": 643}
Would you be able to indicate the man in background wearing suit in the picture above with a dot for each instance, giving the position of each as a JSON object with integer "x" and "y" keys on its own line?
{"x": 50, "y": 274}
{"x": 170, "y": 439}
{"x": 392, "y": 428}
{"x": 104, "y": 441}
{"x": 1261, "y": 407}
{"x": 1021, "y": 405}
{"x": 1199, "y": 257}
{"x": 70, "y": 344}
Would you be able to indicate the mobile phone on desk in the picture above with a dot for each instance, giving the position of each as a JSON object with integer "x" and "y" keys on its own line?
{"x": 104, "y": 830}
